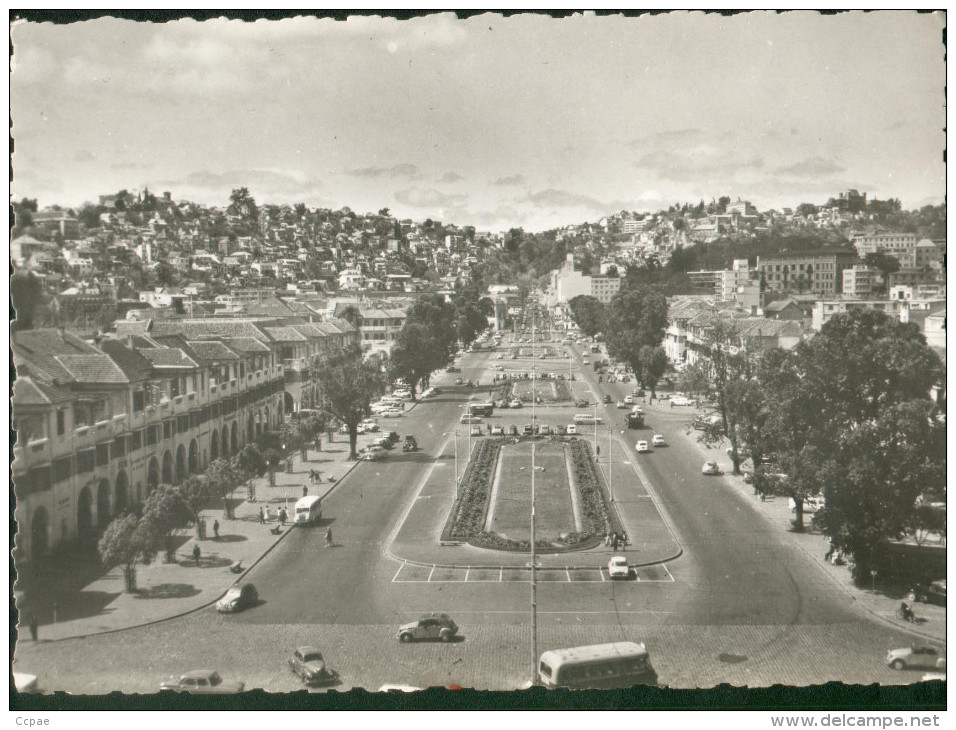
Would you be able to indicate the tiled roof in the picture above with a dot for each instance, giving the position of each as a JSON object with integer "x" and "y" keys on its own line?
{"x": 33, "y": 351}
{"x": 246, "y": 344}
{"x": 27, "y": 392}
{"x": 98, "y": 368}
{"x": 198, "y": 329}
{"x": 212, "y": 351}
{"x": 285, "y": 334}
{"x": 168, "y": 357}
{"x": 126, "y": 327}
{"x": 270, "y": 307}
{"x": 310, "y": 330}
{"x": 342, "y": 325}
{"x": 129, "y": 360}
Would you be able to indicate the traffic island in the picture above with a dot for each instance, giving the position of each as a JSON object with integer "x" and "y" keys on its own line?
{"x": 494, "y": 509}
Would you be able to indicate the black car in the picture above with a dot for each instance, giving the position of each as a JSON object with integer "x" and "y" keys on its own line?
{"x": 581, "y": 403}
{"x": 606, "y": 399}
{"x": 410, "y": 444}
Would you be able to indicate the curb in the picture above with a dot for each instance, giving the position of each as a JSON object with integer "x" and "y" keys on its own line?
{"x": 851, "y": 592}
{"x": 203, "y": 606}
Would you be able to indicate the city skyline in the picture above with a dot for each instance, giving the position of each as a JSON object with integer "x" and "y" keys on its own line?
{"x": 428, "y": 118}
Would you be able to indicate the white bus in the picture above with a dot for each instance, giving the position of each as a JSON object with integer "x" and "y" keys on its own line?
{"x": 600, "y": 666}
{"x": 308, "y": 510}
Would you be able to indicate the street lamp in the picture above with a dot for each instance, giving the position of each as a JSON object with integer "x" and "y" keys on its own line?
{"x": 457, "y": 483}
{"x": 534, "y": 585}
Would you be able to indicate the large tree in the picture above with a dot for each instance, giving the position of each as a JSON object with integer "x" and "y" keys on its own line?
{"x": 589, "y": 314}
{"x": 164, "y": 515}
{"x": 125, "y": 539}
{"x": 347, "y": 387}
{"x": 635, "y": 318}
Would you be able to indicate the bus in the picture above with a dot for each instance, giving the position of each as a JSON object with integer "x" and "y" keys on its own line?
{"x": 481, "y": 409}
{"x": 308, "y": 510}
{"x": 599, "y": 666}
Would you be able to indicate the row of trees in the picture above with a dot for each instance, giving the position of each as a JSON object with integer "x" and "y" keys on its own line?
{"x": 633, "y": 324}
{"x": 434, "y": 329}
{"x": 845, "y": 414}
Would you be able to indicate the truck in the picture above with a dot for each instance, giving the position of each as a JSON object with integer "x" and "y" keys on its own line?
{"x": 635, "y": 419}
{"x": 481, "y": 409}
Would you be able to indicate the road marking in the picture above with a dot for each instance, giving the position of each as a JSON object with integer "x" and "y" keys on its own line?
{"x": 416, "y": 574}
{"x": 430, "y": 574}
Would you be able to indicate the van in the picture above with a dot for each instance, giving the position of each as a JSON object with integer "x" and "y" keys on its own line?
{"x": 308, "y": 510}
{"x": 586, "y": 419}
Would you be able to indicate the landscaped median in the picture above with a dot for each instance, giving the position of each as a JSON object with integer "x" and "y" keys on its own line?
{"x": 494, "y": 508}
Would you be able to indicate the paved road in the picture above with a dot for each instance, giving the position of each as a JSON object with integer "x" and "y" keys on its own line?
{"x": 738, "y": 606}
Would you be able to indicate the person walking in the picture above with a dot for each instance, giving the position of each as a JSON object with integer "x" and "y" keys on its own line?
{"x": 328, "y": 537}
{"x": 262, "y": 519}
{"x": 34, "y": 627}
{"x": 215, "y": 529}
{"x": 282, "y": 516}
{"x": 623, "y": 540}
{"x": 265, "y": 512}
{"x": 196, "y": 554}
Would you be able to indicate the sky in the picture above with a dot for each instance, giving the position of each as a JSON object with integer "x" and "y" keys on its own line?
{"x": 489, "y": 121}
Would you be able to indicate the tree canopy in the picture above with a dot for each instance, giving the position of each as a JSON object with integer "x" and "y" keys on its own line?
{"x": 347, "y": 387}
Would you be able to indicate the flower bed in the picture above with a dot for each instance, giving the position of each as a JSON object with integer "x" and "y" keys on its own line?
{"x": 468, "y": 519}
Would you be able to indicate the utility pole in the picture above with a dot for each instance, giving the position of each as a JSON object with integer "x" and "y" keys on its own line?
{"x": 534, "y": 584}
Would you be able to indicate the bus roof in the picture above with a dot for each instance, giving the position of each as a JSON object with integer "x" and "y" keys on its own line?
{"x": 307, "y": 501}
{"x": 595, "y": 652}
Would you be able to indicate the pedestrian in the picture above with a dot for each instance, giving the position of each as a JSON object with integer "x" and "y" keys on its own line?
{"x": 623, "y": 540}
{"x": 607, "y": 538}
{"x": 318, "y": 444}
{"x": 262, "y": 519}
{"x": 830, "y": 551}
{"x": 282, "y": 516}
{"x": 196, "y": 553}
{"x": 215, "y": 529}
{"x": 328, "y": 537}
{"x": 265, "y": 513}
{"x": 34, "y": 627}
{"x": 614, "y": 541}
{"x": 305, "y": 491}
{"x": 598, "y": 450}
{"x": 672, "y": 404}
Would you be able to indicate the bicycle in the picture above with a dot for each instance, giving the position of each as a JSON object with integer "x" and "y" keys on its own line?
{"x": 906, "y": 615}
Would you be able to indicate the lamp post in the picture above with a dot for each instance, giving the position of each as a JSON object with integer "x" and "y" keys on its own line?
{"x": 610, "y": 464}
{"x": 534, "y": 584}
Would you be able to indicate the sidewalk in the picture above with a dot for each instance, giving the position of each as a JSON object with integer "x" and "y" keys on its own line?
{"x": 79, "y": 599}
{"x": 882, "y": 605}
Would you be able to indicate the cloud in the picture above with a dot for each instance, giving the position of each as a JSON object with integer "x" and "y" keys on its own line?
{"x": 668, "y": 138}
{"x": 404, "y": 169}
{"x": 83, "y": 156}
{"x": 552, "y": 198}
{"x": 262, "y": 183}
{"x": 418, "y": 198}
{"x": 511, "y": 180}
{"x": 129, "y": 166}
{"x": 699, "y": 163}
{"x": 811, "y": 167}
{"x": 450, "y": 177}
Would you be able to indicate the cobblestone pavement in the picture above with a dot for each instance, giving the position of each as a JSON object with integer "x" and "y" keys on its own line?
{"x": 487, "y": 657}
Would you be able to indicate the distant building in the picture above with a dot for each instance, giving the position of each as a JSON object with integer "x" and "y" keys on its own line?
{"x": 898, "y": 245}
{"x": 858, "y": 281}
{"x": 820, "y": 273}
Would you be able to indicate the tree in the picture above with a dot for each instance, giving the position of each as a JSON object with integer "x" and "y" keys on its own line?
{"x": 248, "y": 464}
{"x": 124, "y": 540}
{"x": 164, "y": 514}
{"x": 26, "y": 294}
{"x": 635, "y": 318}
{"x": 194, "y": 493}
{"x": 589, "y": 314}
{"x": 694, "y": 380}
{"x": 347, "y": 388}
{"x": 242, "y": 204}
{"x": 350, "y": 313}
{"x": 384, "y": 212}
{"x": 652, "y": 362}
{"x": 414, "y": 358}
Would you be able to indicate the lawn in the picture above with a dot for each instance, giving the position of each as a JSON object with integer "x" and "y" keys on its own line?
{"x": 512, "y": 509}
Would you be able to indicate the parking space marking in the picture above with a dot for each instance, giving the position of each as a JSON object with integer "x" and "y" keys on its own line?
{"x": 410, "y": 573}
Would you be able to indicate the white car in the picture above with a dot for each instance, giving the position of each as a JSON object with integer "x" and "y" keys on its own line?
{"x": 629, "y": 399}
{"x": 711, "y": 468}
{"x": 403, "y": 394}
{"x": 391, "y": 413}
{"x": 681, "y": 400}
{"x": 925, "y": 657}
{"x": 370, "y": 425}
{"x": 374, "y": 453}
{"x": 428, "y": 393}
{"x": 617, "y": 567}
{"x": 515, "y": 403}
{"x": 658, "y": 440}
{"x": 497, "y": 431}
{"x": 642, "y": 447}
{"x": 572, "y": 429}
{"x": 621, "y": 404}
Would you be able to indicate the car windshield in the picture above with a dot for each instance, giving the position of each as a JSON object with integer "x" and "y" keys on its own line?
{"x": 232, "y": 594}
{"x": 312, "y": 656}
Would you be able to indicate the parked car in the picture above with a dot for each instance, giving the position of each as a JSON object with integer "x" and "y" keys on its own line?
{"x": 459, "y": 381}
{"x": 385, "y": 442}
{"x": 629, "y": 399}
{"x": 545, "y": 429}
{"x": 238, "y": 598}
{"x": 454, "y": 369}
{"x": 711, "y": 468}
{"x": 308, "y": 664}
{"x": 560, "y": 430}
{"x": 410, "y": 444}
{"x": 393, "y": 436}
{"x": 469, "y": 418}
{"x": 934, "y": 593}
{"x": 527, "y": 430}
{"x": 374, "y": 453}
{"x": 617, "y": 567}
{"x": 926, "y": 657}
{"x": 501, "y": 403}
{"x": 391, "y": 413}
{"x": 515, "y": 403}
{"x": 429, "y": 626}
{"x": 497, "y": 431}
{"x": 476, "y": 430}
{"x": 658, "y": 440}
{"x": 203, "y": 681}
{"x": 621, "y": 404}
{"x": 581, "y": 403}
{"x": 370, "y": 426}
{"x": 571, "y": 429}
{"x": 642, "y": 448}
{"x": 403, "y": 394}
{"x": 681, "y": 400}
{"x": 606, "y": 398}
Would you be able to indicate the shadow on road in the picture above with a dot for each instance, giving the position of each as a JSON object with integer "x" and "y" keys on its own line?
{"x": 169, "y": 590}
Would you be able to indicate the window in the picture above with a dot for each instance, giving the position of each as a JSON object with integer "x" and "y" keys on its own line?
{"x": 62, "y": 469}
{"x": 86, "y": 412}
{"x": 119, "y": 447}
{"x": 60, "y": 423}
{"x": 139, "y": 400}
{"x": 152, "y": 435}
{"x": 136, "y": 440}
{"x": 102, "y": 454}
{"x": 84, "y": 461}
{"x": 30, "y": 428}
{"x": 169, "y": 429}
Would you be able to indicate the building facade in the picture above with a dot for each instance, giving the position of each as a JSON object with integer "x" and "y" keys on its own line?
{"x": 818, "y": 273}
